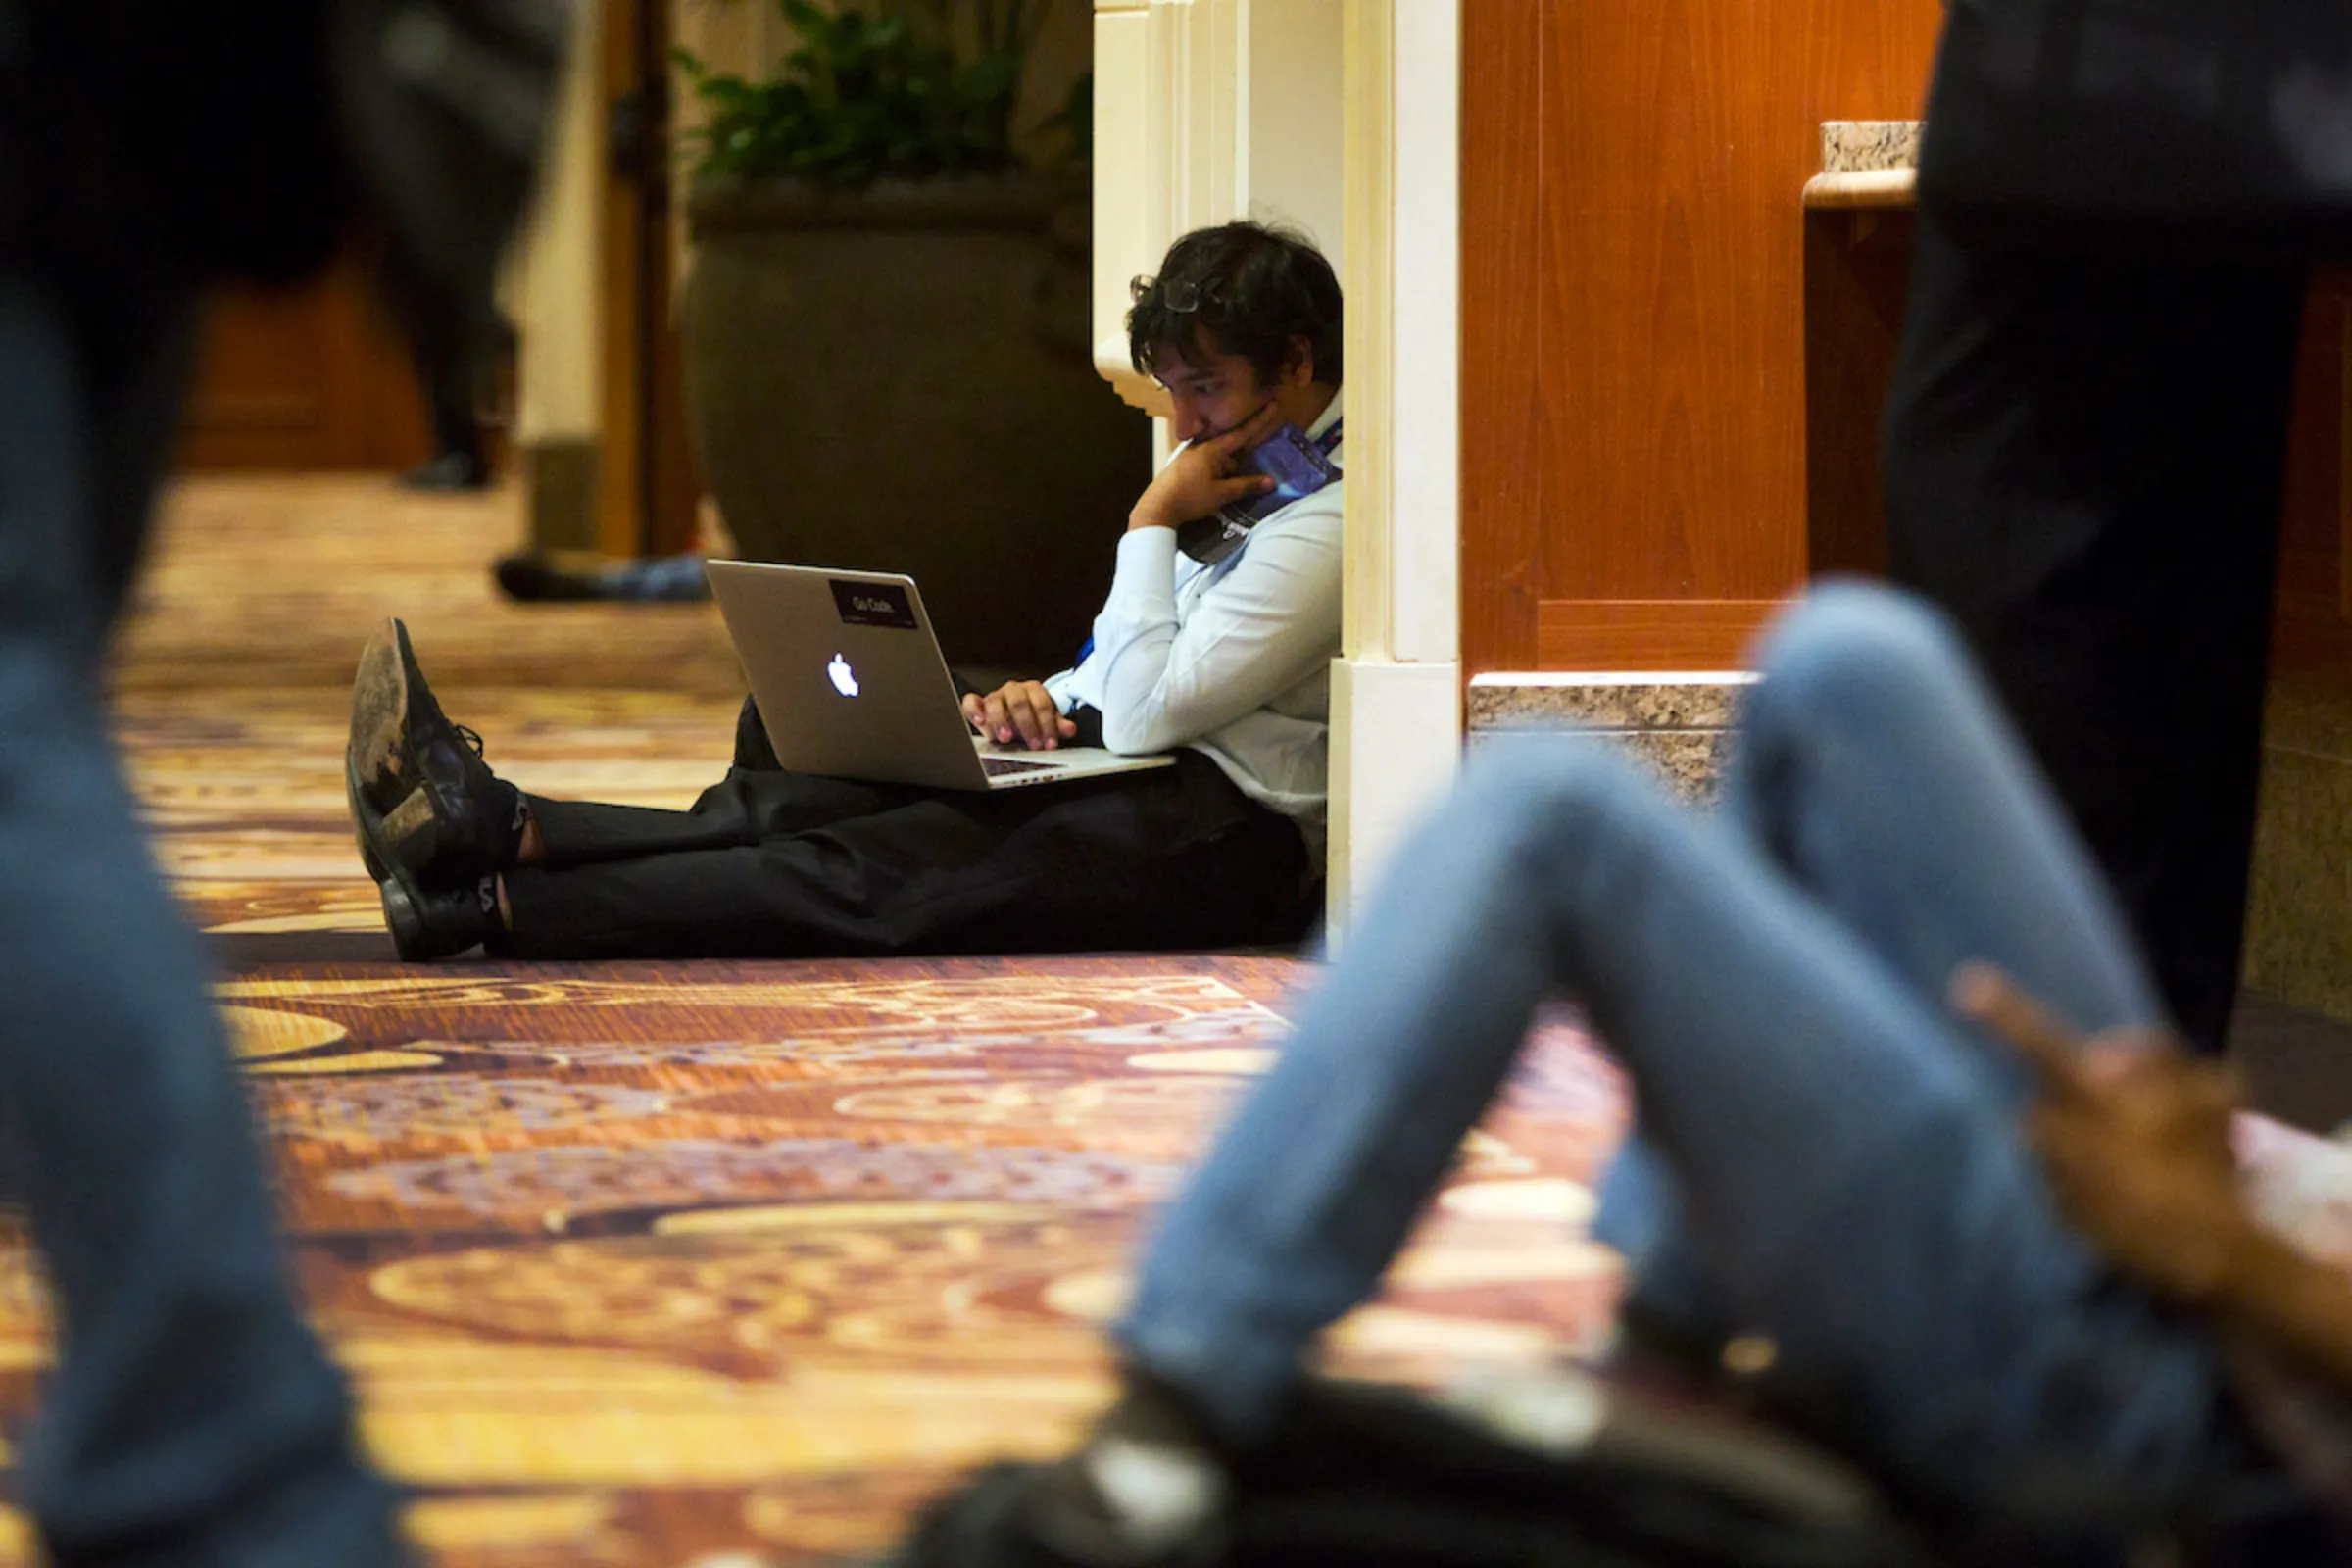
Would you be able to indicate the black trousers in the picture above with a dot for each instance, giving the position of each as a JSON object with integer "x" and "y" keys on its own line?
{"x": 447, "y": 352}
{"x": 2083, "y": 464}
{"x": 770, "y": 863}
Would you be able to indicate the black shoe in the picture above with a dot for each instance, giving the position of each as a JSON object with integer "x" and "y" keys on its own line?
{"x": 1147, "y": 1489}
{"x": 449, "y": 473}
{"x": 423, "y": 802}
{"x": 533, "y": 578}
{"x": 439, "y": 922}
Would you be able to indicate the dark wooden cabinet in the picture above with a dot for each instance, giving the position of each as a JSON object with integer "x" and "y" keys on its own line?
{"x": 2311, "y": 636}
{"x": 1857, "y": 267}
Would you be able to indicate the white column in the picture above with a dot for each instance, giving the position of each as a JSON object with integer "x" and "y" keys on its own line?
{"x": 1293, "y": 139}
{"x": 1340, "y": 117}
{"x": 1168, "y": 92}
{"x": 1397, "y": 688}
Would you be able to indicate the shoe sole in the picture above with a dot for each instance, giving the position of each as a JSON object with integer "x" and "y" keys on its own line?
{"x": 401, "y": 919}
{"x": 404, "y": 919}
{"x": 409, "y": 834}
{"x": 395, "y": 881}
{"x": 367, "y": 825}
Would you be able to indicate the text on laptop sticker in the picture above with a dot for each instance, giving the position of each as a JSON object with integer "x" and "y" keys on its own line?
{"x": 872, "y": 604}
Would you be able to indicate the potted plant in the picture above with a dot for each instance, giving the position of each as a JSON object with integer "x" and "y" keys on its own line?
{"x": 885, "y": 329}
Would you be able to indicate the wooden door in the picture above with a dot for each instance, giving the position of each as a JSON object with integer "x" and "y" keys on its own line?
{"x": 1634, "y": 314}
{"x": 647, "y": 487}
{"x": 305, "y": 379}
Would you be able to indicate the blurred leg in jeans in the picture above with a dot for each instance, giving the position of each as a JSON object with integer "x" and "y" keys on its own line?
{"x": 195, "y": 1419}
{"x": 1793, "y": 1074}
{"x": 1873, "y": 772}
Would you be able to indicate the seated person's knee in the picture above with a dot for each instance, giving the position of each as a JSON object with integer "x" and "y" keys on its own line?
{"x": 1851, "y": 643}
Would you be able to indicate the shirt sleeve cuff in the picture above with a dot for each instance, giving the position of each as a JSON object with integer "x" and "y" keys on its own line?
{"x": 1145, "y": 574}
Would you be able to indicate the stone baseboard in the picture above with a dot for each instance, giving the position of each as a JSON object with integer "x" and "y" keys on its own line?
{"x": 1679, "y": 724}
{"x": 2300, "y": 903}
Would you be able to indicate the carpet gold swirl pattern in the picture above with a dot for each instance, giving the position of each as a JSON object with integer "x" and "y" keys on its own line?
{"x": 650, "y": 1265}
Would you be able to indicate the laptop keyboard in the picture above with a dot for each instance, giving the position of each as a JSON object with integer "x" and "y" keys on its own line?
{"x": 1001, "y": 766}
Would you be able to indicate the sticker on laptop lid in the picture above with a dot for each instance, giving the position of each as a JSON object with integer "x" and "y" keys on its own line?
{"x": 873, "y": 603}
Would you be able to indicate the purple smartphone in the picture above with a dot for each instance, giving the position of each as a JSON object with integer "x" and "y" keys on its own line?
{"x": 1298, "y": 469}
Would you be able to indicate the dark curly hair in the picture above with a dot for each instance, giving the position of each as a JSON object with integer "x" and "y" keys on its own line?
{"x": 1241, "y": 288}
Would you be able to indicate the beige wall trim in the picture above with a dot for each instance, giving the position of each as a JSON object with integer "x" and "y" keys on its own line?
{"x": 1168, "y": 90}
{"x": 556, "y": 280}
{"x": 1395, "y": 749}
{"x": 1342, "y": 118}
{"x": 1207, "y": 111}
{"x": 1396, "y": 726}
{"x": 1404, "y": 284}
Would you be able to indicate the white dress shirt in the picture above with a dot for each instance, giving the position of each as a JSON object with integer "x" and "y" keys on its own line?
{"x": 1232, "y": 660}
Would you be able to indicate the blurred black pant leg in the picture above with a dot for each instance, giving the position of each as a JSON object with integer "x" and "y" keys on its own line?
{"x": 195, "y": 1419}
{"x": 449, "y": 350}
{"x": 2084, "y": 463}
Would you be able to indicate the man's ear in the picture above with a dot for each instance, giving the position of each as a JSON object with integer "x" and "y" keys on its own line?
{"x": 1299, "y": 366}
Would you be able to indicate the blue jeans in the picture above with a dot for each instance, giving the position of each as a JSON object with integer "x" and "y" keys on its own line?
{"x": 1825, "y": 1152}
{"x": 194, "y": 1419}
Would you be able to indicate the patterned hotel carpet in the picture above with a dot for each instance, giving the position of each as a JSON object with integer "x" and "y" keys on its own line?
{"x": 716, "y": 1263}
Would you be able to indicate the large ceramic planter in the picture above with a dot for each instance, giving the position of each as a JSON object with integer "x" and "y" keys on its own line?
{"x": 898, "y": 379}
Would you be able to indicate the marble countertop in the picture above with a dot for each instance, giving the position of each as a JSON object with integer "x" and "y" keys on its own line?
{"x": 1869, "y": 146}
{"x": 1866, "y": 164}
{"x": 1627, "y": 702}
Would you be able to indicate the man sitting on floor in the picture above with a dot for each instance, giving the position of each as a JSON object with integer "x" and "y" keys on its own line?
{"x": 1224, "y": 662}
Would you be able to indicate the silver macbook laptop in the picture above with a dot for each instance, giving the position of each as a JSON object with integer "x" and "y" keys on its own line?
{"x": 851, "y": 684}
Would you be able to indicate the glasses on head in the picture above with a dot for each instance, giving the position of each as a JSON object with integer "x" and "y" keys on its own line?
{"x": 1177, "y": 299}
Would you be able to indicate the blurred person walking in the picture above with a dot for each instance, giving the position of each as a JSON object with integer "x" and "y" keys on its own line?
{"x": 2085, "y": 441}
{"x": 148, "y": 151}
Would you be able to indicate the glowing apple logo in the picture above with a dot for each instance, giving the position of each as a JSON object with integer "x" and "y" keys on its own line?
{"x": 844, "y": 679}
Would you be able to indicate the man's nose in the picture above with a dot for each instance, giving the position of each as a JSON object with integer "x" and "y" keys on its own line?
{"x": 1187, "y": 423}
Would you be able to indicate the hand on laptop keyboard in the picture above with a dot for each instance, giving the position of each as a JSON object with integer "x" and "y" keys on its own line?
{"x": 1023, "y": 713}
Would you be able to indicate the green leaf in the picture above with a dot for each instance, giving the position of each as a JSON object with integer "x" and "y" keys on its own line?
{"x": 880, "y": 88}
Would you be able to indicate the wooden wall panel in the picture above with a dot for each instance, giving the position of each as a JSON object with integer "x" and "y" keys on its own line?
{"x": 1655, "y": 315}
{"x": 1660, "y": 634}
{"x": 1857, "y": 277}
{"x": 1503, "y": 352}
{"x": 305, "y": 379}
